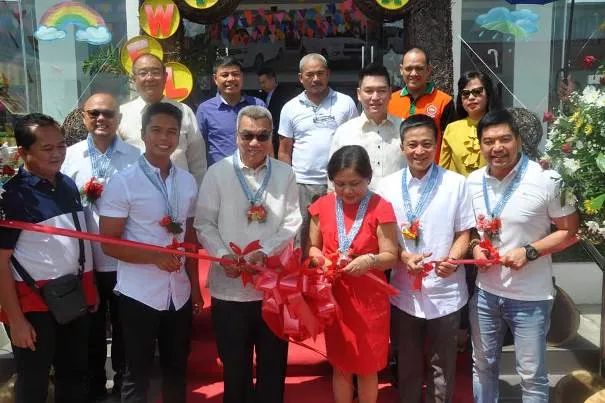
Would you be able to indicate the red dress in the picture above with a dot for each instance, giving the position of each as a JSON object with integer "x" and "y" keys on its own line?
{"x": 358, "y": 342}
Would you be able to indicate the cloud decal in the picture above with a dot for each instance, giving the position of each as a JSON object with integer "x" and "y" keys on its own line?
{"x": 94, "y": 35}
{"x": 49, "y": 33}
{"x": 518, "y": 23}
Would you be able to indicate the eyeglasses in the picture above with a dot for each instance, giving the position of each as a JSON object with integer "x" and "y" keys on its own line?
{"x": 261, "y": 138}
{"x": 474, "y": 92}
{"x": 95, "y": 113}
{"x": 155, "y": 73}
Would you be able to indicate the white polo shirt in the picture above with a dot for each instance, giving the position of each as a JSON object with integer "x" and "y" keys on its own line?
{"x": 131, "y": 195}
{"x": 526, "y": 218}
{"x": 449, "y": 211}
{"x": 381, "y": 141}
{"x": 78, "y": 167}
{"x": 221, "y": 218}
{"x": 190, "y": 153}
{"x": 312, "y": 127}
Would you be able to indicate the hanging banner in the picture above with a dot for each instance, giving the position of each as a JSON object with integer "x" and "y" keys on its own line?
{"x": 159, "y": 18}
{"x": 392, "y": 4}
{"x": 137, "y": 46}
{"x": 179, "y": 81}
{"x": 201, "y": 4}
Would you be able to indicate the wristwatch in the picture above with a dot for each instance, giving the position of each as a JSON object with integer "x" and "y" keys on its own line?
{"x": 531, "y": 253}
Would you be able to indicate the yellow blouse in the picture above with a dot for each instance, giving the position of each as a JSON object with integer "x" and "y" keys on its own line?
{"x": 460, "y": 151}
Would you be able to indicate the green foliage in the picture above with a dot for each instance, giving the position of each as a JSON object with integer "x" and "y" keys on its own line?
{"x": 105, "y": 60}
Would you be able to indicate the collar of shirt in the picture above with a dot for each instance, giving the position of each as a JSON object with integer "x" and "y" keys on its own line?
{"x": 35, "y": 181}
{"x": 302, "y": 97}
{"x": 157, "y": 170}
{"x": 390, "y": 120}
{"x": 430, "y": 87}
{"x": 121, "y": 147}
{"x": 221, "y": 102}
{"x": 415, "y": 181}
{"x": 254, "y": 171}
{"x": 507, "y": 178}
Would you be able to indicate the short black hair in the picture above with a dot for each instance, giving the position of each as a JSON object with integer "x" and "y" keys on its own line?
{"x": 266, "y": 70}
{"x": 26, "y": 126}
{"x": 151, "y": 55}
{"x": 374, "y": 70}
{"x": 415, "y": 121}
{"x": 225, "y": 61}
{"x": 161, "y": 108}
{"x": 354, "y": 157}
{"x": 492, "y": 101}
{"x": 418, "y": 49}
{"x": 497, "y": 117}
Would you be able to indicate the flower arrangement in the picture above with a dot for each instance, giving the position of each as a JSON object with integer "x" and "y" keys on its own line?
{"x": 9, "y": 160}
{"x": 92, "y": 190}
{"x": 576, "y": 149}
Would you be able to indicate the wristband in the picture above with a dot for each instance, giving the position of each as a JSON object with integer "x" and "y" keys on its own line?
{"x": 373, "y": 259}
{"x": 472, "y": 244}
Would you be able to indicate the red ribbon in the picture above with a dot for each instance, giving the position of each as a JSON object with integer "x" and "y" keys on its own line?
{"x": 25, "y": 226}
{"x": 417, "y": 277}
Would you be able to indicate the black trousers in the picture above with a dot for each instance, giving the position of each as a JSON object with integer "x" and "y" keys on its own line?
{"x": 412, "y": 333}
{"x": 97, "y": 352}
{"x": 141, "y": 327}
{"x": 65, "y": 347}
{"x": 240, "y": 329}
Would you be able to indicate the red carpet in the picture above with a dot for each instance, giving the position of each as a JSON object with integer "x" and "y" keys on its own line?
{"x": 308, "y": 376}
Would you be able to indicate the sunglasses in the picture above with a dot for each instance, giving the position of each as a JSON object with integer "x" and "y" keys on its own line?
{"x": 95, "y": 113}
{"x": 261, "y": 138}
{"x": 474, "y": 92}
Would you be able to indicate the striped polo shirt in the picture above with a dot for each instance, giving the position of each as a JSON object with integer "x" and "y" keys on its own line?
{"x": 45, "y": 257}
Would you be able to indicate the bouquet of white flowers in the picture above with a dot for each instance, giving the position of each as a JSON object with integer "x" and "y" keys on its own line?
{"x": 576, "y": 149}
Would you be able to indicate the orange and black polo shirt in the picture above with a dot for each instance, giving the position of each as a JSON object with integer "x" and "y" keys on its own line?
{"x": 433, "y": 102}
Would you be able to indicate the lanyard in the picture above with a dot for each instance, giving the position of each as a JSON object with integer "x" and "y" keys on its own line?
{"x": 172, "y": 201}
{"x": 514, "y": 184}
{"x": 255, "y": 198}
{"x": 100, "y": 162}
{"x": 346, "y": 239}
{"x": 425, "y": 193}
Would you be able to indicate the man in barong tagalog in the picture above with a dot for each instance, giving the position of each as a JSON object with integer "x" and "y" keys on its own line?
{"x": 515, "y": 202}
{"x": 247, "y": 197}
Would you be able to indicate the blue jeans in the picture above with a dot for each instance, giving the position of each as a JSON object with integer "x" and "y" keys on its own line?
{"x": 490, "y": 315}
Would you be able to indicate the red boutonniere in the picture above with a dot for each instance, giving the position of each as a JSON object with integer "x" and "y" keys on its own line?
{"x": 411, "y": 231}
{"x": 92, "y": 190}
{"x": 171, "y": 226}
{"x": 491, "y": 228}
{"x": 7, "y": 170}
{"x": 257, "y": 213}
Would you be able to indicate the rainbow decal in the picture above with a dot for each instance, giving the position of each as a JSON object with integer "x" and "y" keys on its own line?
{"x": 88, "y": 24}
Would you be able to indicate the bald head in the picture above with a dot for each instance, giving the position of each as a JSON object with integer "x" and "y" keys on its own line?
{"x": 416, "y": 71}
{"x": 101, "y": 117}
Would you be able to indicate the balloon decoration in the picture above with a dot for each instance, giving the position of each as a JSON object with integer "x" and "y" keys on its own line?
{"x": 159, "y": 18}
{"x": 392, "y": 4}
{"x": 201, "y": 4}
{"x": 386, "y": 10}
{"x": 137, "y": 46}
{"x": 179, "y": 81}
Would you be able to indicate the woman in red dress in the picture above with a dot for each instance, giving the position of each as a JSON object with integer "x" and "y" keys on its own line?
{"x": 356, "y": 230}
